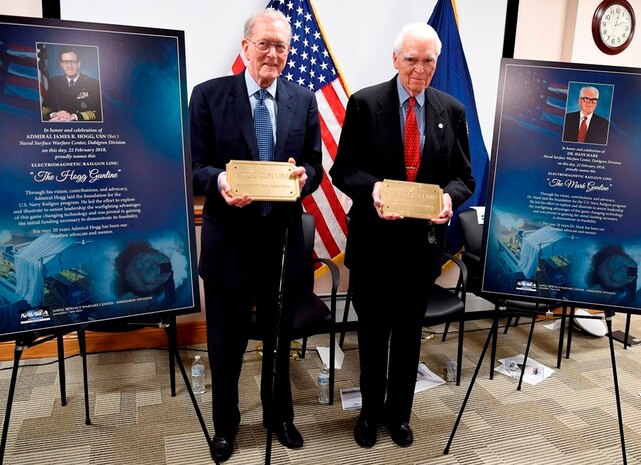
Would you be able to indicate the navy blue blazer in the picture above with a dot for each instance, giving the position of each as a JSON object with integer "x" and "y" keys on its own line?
{"x": 83, "y": 99}
{"x": 370, "y": 150}
{"x": 597, "y": 131}
{"x": 222, "y": 129}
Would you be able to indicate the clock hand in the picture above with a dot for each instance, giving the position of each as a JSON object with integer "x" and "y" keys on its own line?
{"x": 623, "y": 21}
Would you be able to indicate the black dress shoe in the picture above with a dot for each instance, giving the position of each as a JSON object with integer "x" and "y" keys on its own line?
{"x": 288, "y": 435}
{"x": 365, "y": 432}
{"x": 401, "y": 433}
{"x": 222, "y": 448}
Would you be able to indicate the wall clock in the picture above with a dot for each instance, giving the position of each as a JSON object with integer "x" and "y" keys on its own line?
{"x": 613, "y": 26}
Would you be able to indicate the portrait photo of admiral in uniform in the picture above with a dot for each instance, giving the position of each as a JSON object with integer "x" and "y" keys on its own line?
{"x": 73, "y": 95}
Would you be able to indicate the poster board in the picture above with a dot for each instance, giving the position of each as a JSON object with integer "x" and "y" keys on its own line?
{"x": 562, "y": 222}
{"x": 96, "y": 218}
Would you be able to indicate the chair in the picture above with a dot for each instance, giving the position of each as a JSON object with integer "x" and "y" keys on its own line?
{"x": 445, "y": 306}
{"x": 472, "y": 230}
{"x": 312, "y": 315}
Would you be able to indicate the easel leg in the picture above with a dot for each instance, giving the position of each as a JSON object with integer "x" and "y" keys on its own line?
{"x": 570, "y": 330}
{"x": 61, "y": 370}
{"x": 627, "y": 331}
{"x": 527, "y": 351}
{"x": 559, "y": 355}
{"x": 615, "y": 377}
{"x": 17, "y": 353}
{"x": 82, "y": 343}
{"x": 203, "y": 426}
{"x": 492, "y": 334}
{"x": 170, "y": 328}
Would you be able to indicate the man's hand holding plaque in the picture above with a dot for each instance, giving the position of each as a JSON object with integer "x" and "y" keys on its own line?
{"x": 245, "y": 181}
{"x": 399, "y": 199}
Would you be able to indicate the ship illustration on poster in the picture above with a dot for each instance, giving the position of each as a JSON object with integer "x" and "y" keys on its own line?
{"x": 59, "y": 280}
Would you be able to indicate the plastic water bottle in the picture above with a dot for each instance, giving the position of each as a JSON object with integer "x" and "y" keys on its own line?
{"x": 450, "y": 370}
{"x": 198, "y": 375}
{"x": 323, "y": 385}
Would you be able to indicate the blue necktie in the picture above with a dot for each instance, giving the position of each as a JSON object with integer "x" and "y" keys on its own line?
{"x": 264, "y": 131}
{"x": 264, "y": 136}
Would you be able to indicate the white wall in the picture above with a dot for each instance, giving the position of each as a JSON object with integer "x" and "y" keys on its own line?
{"x": 360, "y": 34}
{"x": 29, "y": 8}
{"x": 561, "y": 30}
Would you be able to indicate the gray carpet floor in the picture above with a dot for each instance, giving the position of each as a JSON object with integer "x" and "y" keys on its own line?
{"x": 569, "y": 418}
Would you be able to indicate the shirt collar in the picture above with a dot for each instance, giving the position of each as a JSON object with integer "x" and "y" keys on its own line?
{"x": 253, "y": 87}
{"x": 403, "y": 95}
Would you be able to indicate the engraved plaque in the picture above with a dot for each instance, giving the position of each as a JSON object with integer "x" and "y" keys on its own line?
{"x": 263, "y": 180}
{"x": 412, "y": 199}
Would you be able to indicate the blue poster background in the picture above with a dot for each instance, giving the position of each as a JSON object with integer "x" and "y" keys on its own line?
{"x": 563, "y": 220}
{"x": 96, "y": 220}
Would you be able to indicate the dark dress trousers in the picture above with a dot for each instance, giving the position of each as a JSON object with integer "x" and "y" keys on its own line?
{"x": 393, "y": 263}
{"x": 241, "y": 251}
{"x": 597, "y": 130}
{"x": 83, "y": 98}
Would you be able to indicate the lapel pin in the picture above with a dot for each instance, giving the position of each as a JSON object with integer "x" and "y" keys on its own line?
{"x": 440, "y": 125}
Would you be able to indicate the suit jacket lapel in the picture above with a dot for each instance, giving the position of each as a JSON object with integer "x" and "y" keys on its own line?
{"x": 435, "y": 125}
{"x": 388, "y": 120}
{"x": 241, "y": 109}
{"x": 286, "y": 108}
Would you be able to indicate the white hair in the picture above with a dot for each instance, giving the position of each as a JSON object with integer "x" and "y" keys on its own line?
{"x": 420, "y": 30}
{"x": 267, "y": 13}
{"x": 593, "y": 89}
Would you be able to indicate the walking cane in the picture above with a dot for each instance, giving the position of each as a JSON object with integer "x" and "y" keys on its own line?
{"x": 279, "y": 311}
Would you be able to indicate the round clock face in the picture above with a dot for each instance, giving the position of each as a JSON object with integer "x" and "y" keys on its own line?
{"x": 613, "y": 26}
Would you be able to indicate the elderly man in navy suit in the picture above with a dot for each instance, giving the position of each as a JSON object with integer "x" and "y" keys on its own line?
{"x": 242, "y": 239}
{"x": 585, "y": 125}
{"x": 402, "y": 130}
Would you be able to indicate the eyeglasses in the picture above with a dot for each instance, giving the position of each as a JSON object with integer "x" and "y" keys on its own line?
{"x": 69, "y": 62}
{"x": 413, "y": 61}
{"x": 589, "y": 100}
{"x": 263, "y": 46}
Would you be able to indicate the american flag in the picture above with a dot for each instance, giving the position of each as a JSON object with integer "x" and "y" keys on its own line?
{"x": 18, "y": 79}
{"x": 310, "y": 64}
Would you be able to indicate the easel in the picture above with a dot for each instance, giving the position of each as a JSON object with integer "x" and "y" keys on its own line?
{"x": 27, "y": 340}
{"x": 23, "y": 342}
{"x": 492, "y": 335}
{"x": 167, "y": 323}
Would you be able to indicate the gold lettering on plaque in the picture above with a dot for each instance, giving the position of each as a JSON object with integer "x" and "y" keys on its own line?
{"x": 263, "y": 180}
{"x": 412, "y": 199}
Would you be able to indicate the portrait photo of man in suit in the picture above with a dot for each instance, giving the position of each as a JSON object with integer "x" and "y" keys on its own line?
{"x": 72, "y": 95}
{"x": 586, "y": 126}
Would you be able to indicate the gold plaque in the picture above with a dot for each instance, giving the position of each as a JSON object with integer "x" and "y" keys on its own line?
{"x": 263, "y": 180}
{"x": 412, "y": 199}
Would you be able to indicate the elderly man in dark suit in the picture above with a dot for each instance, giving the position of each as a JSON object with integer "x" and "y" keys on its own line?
{"x": 242, "y": 239}
{"x": 585, "y": 125}
{"x": 401, "y": 130}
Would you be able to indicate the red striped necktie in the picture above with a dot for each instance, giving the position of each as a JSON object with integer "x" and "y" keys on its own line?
{"x": 412, "y": 142}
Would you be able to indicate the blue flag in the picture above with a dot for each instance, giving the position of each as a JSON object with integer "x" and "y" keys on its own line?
{"x": 452, "y": 76}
